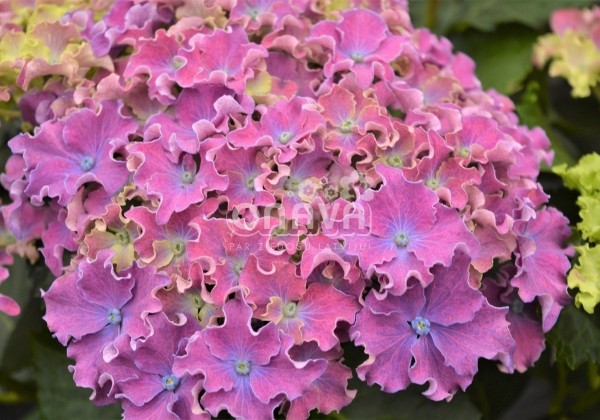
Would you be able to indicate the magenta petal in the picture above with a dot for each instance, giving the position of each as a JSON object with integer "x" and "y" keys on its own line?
{"x": 449, "y": 297}
{"x": 430, "y": 367}
{"x": 9, "y": 306}
{"x": 487, "y": 336}
{"x": 63, "y": 300}
{"x": 157, "y": 408}
{"x": 142, "y": 389}
{"x": 387, "y": 340}
{"x": 281, "y": 376}
{"x": 235, "y": 340}
{"x": 240, "y": 403}
{"x": 218, "y": 374}
{"x": 327, "y": 393}
{"x": 321, "y": 308}
{"x": 87, "y": 353}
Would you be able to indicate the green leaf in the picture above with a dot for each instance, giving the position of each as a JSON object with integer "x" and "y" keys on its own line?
{"x": 18, "y": 286}
{"x": 584, "y": 177}
{"x": 445, "y": 15}
{"x": 531, "y": 113}
{"x": 575, "y": 338}
{"x": 372, "y": 403}
{"x": 58, "y": 397}
{"x": 585, "y": 276}
{"x": 503, "y": 58}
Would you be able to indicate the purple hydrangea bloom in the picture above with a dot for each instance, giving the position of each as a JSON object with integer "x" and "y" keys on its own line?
{"x": 106, "y": 305}
{"x": 410, "y": 232}
{"x": 245, "y": 372}
{"x": 178, "y": 180}
{"x": 361, "y": 43}
{"x": 306, "y": 314}
{"x": 65, "y": 154}
{"x": 434, "y": 334}
{"x": 144, "y": 378}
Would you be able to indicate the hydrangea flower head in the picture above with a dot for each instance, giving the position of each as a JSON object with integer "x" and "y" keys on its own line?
{"x": 233, "y": 193}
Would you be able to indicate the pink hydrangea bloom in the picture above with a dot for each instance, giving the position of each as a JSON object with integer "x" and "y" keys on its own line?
{"x": 231, "y": 193}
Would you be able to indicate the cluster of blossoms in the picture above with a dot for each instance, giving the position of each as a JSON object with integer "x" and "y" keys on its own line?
{"x": 584, "y": 177}
{"x": 573, "y": 48}
{"x": 237, "y": 188}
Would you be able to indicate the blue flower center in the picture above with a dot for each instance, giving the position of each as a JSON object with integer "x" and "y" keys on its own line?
{"x": 289, "y": 309}
{"x": 114, "y": 316}
{"x": 285, "y": 137}
{"x": 87, "y": 163}
{"x": 401, "y": 240}
{"x": 357, "y": 57}
{"x": 170, "y": 382}
{"x": 242, "y": 367}
{"x": 420, "y": 325}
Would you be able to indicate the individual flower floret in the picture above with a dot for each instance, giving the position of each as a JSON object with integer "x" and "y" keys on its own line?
{"x": 434, "y": 334}
{"x": 63, "y": 155}
{"x": 115, "y": 232}
{"x": 287, "y": 127}
{"x": 223, "y": 57}
{"x": 542, "y": 261}
{"x": 197, "y": 114}
{"x": 106, "y": 306}
{"x": 573, "y": 48}
{"x": 409, "y": 232}
{"x": 144, "y": 378}
{"x": 178, "y": 180}
{"x": 306, "y": 314}
{"x": 360, "y": 43}
{"x": 245, "y": 372}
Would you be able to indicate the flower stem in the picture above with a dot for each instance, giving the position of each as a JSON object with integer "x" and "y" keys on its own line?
{"x": 431, "y": 16}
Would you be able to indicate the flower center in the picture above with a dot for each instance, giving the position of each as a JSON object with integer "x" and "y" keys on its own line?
{"x": 291, "y": 184}
{"x": 420, "y": 325}
{"x": 347, "y": 126}
{"x": 187, "y": 177}
{"x": 394, "y": 161}
{"x": 357, "y": 57}
{"x": 432, "y": 183}
{"x": 401, "y": 240}
{"x": 170, "y": 382}
{"x": 517, "y": 306}
{"x": 237, "y": 267}
{"x": 87, "y": 163}
{"x": 178, "y": 248}
{"x": 250, "y": 183}
{"x": 114, "y": 316}
{"x": 464, "y": 152}
{"x": 289, "y": 310}
{"x": 176, "y": 63}
{"x": 242, "y": 367}
{"x": 285, "y": 137}
{"x": 123, "y": 237}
